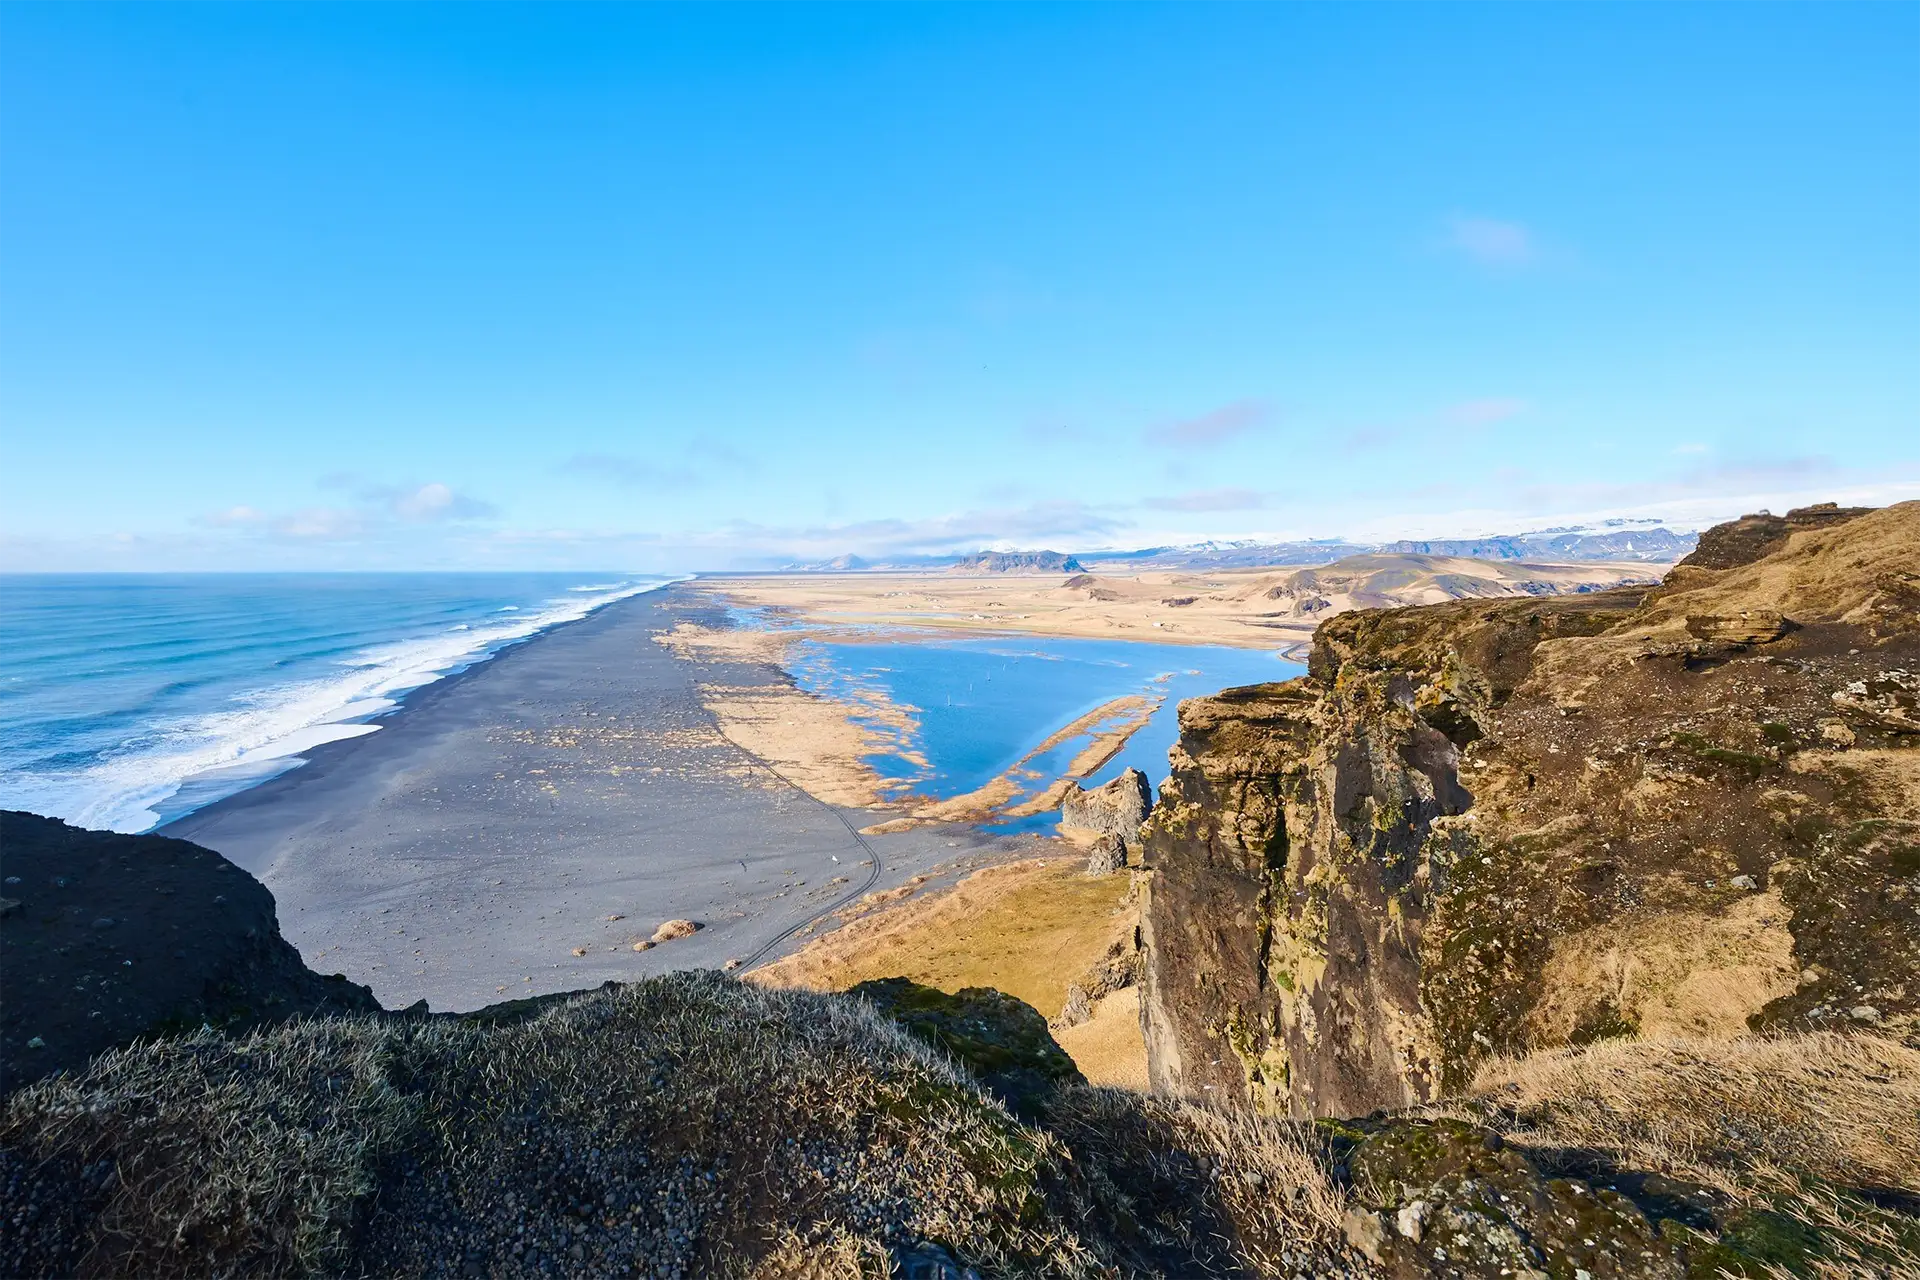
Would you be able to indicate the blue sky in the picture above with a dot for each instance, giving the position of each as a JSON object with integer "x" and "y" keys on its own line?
{"x": 644, "y": 287}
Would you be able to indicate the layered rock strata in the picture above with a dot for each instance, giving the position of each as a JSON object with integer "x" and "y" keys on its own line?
{"x": 1488, "y": 827}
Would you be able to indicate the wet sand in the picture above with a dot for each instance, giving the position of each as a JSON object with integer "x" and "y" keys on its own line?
{"x": 568, "y": 795}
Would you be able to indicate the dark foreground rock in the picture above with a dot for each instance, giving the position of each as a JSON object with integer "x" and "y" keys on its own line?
{"x": 114, "y": 937}
{"x": 695, "y": 1125}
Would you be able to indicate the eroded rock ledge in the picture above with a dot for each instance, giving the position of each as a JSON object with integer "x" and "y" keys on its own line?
{"x": 1485, "y": 828}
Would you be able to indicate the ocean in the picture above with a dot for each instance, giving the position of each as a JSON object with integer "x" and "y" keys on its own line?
{"x": 127, "y": 701}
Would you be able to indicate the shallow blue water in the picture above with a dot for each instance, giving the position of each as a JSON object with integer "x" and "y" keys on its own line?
{"x": 982, "y": 705}
{"x": 128, "y": 700}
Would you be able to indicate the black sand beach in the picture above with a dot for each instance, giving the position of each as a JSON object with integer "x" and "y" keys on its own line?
{"x": 570, "y": 793}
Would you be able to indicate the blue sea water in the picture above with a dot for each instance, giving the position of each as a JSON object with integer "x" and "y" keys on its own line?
{"x": 129, "y": 700}
{"x": 982, "y": 706}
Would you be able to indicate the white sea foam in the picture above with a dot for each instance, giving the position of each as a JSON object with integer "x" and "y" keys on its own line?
{"x": 270, "y": 727}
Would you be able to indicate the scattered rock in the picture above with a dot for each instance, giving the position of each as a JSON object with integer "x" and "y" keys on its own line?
{"x": 1412, "y": 1220}
{"x": 1367, "y": 1233}
{"x": 733, "y": 964}
{"x": 579, "y": 951}
{"x": 1891, "y": 700}
{"x": 645, "y": 944}
{"x": 672, "y": 929}
{"x": 1744, "y": 882}
{"x": 1466, "y": 1203}
{"x": 1108, "y": 856}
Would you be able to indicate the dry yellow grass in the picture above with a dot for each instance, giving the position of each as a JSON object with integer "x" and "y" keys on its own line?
{"x": 1675, "y": 973}
{"x": 1845, "y": 1107}
{"x": 1027, "y": 928}
{"x": 1108, "y": 1048}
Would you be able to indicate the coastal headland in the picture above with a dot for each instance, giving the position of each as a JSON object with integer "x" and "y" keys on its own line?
{"x": 529, "y": 825}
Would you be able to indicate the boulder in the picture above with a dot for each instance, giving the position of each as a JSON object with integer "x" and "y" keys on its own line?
{"x": 1748, "y": 627}
{"x": 1108, "y": 856}
{"x": 1118, "y": 808}
{"x": 672, "y": 929}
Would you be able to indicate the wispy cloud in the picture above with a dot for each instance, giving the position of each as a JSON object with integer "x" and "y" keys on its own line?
{"x": 241, "y": 517}
{"x": 1209, "y": 429}
{"x": 436, "y": 501}
{"x": 376, "y": 507}
{"x": 1211, "y": 500}
{"x": 1485, "y": 412}
{"x": 1493, "y": 242}
{"x": 1691, "y": 447}
{"x": 1759, "y": 471}
{"x": 1036, "y": 524}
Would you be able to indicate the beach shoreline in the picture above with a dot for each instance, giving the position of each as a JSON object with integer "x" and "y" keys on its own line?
{"x": 517, "y": 827}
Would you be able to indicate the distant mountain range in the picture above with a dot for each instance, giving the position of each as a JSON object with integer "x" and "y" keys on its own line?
{"x": 1657, "y": 544}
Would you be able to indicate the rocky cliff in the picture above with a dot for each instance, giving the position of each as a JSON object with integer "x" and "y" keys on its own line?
{"x": 105, "y": 938}
{"x": 1484, "y": 828}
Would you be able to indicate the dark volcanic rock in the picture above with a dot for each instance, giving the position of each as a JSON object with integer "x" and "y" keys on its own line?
{"x": 1742, "y": 541}
{"x": 1443, "y": 841}
{"x": 118, "y": 937}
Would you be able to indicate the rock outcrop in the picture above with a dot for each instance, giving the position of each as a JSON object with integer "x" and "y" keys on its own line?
{"x": 1115, "y": 808}
{"x": 109, "y": 937}
{"x": 1108, "y": 855}
{"x": 1003, "y": 1042}
{"x": 1017, "y": 562}
{"x": 1490, "y": 827}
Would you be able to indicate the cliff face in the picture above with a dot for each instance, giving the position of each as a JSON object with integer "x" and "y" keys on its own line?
{"x": 1480, "y": 827}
